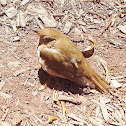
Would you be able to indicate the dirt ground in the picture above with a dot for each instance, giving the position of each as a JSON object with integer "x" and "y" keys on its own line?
{"x": 23, "y": 101}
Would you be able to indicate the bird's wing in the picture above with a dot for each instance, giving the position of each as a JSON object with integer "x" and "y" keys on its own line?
{"x": 57, "y": 64}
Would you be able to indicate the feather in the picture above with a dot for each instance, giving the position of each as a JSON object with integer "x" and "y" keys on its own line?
{"x": 60, "y": 57}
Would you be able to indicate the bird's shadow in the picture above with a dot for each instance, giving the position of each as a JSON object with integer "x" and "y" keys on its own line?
{"x": 60, "y": 83}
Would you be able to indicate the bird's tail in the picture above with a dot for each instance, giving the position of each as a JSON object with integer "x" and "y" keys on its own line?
{"x": 101, "y": 84}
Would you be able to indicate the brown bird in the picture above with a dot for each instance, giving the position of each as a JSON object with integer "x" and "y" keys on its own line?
{"x": 59, "y": 57}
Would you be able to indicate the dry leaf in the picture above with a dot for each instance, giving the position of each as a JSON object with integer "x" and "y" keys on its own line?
{"x": 89, "y": 113}
{"x": 112, "y": 20}
{"x": 117, "y": 124}
{"x": 13, "y": 24}
{"x": 3, "y": 2}
{"x": 115, "y": 84}
{"x": 115, "y": 115}
{"x": 11, "y": 12}
{"x": 42, "y": 13}
{"x": 104, "y": 109}
{"x": 76, "y": 34}
{"x": 3, "y": 123}
{"x": 122, "y": 28}
{"x": 97, "y": 111}
{"x": 119, "y": 114}
{"x": 39, "y": 23}
{"x": 38, "y": 119}
{"x": 101, "y": 60}
{"x": 63, "y": 110}
{"x": 18, "y": 72}
{"x": 117, "y": 77}
{"x": 44, "y": 86}
{"x": 89, "y": 50}
{"x": 2, "y": 83}
{"x": 93, "y": 12}
{"x": 51, "y": 119}
{"x": 110, "y": 107}
{"x": 55, "y": 95}
{"x": 75, "y": 123}
{"x": 122, "y": 114}
{"x": 47, "y": 18}
{"x": 95, "y": 122}
{"x": 123, "y": 12}
{"x": 30, "y": 84}
{"x": 21, "y": 19}
{"x": 104, "y": 64}
{"x": 5, "y": 115}
{"x": 24, "y": 2}
{"x": 3, "y": 108}
{"x": 5, "y": 95}
{"x": 14, "y": 64}
{"x": 67, "y": 27}
{"x": 69, "y": 99}
{"x": 16, "y": 39}
{"x": 74, "y": 117}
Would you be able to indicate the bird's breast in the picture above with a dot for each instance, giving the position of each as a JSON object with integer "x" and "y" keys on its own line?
{"x": 44, "y": 64}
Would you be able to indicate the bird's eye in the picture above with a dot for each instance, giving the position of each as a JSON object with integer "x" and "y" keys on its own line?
{"x": 45, "y": 40}
{"x": 48, "y": 39}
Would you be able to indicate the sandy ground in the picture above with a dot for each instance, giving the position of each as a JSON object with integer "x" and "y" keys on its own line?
{"x": 22, "y": 102}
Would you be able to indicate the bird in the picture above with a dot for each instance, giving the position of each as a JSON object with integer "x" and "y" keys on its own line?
{"x": 60, "y": 57}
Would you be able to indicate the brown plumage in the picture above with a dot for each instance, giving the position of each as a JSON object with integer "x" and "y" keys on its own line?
{"x": 59, "y": 57}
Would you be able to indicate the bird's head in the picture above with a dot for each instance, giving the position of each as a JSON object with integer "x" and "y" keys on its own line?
{"x": 47, "y": 35}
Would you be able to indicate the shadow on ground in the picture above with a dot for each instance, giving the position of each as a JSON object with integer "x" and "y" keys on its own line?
{"x": 60, "y": 83}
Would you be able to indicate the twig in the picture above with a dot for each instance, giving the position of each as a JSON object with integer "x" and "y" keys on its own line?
{"x": 2, "y": 83}
{"x": 122, "y": 113}
{"x": 38, "y": 119}
{"x": 79, "y": 120}
{"x": 69, "y": 99}
{"x": 64, "y": 111}
{"x": 55, "y": 94}
{"x": 104, "y": 111}
{"x": 5, "y": 115}
{"x": 59, "y": 15}
{"x": 89, "y": 113}
{"x": 121, "y": 6}
{"x": 39, "y": 23}
{"x": 93, "y": 12}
